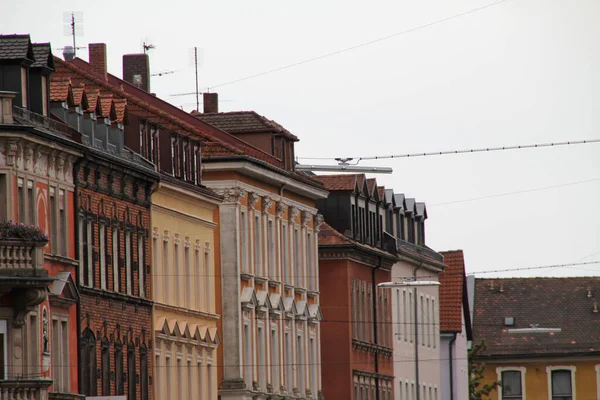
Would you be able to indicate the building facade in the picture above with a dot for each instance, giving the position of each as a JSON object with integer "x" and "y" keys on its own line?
{"x": 455, "y": 327}
{"x": 38, "y": 312}
{"x": 356, "y": 339}
{"x": 415, "y": 314}
{"x": 536, "y": 351}
{"x": 270, "y": 290}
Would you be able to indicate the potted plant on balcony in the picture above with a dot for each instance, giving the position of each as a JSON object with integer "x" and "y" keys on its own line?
{"x": 18, "y": 231}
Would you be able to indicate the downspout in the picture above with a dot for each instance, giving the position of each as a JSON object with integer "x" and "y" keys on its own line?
{"x": 416, "y": 305}
{"x": 451, "y": 365}
{"x": 374, "y": 285}
{"x": 76, "y": 168}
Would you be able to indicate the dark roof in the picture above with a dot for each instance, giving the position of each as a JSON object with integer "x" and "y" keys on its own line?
{"x": 452, "y": 285}
{"x": 547, "y": 302}
{"x": 389, "y": 196}
{"x": 400, "y": 200}
{"x": 243, "y": 122}
{"x": 43, "y": 56}
{"x": 16, "y": 47}
{"x": 421, "y": 210}
{"x": 410, "y": 205}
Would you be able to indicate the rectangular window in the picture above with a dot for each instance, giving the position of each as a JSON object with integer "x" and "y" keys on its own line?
{"x": 208, "y": 282}
{"x": 186, "y": 159}
{"x": 511, "y": 385}
{"x": 155, "y": 153}
{"x": 301, "y": 366}
{"x": 433, "y": 323}
{"x": 310, "y": 263}
{"x": 209, "y": 379}
{"x": 271, "y": 244}
{"x": 62, "y": 222}
{"x": 289, "y": 380}
{"x": 60, "y": 354}
{"x": 244, "y": 233}
{"x": 143, "y": 139}
{"x": 410, "y": 316}
{"x": 422, "y": 321}
{"x": 175, "y": 157}
{"x": 312, "y": 365}
{"x": 3, "y": 348}
{"x": 21, "y": 200}
{"x": 24, "y": 87}
{"x": 31, "y": 203}
{"x": 262, "y": 361}
{"x": 428, "y": 322}
{"x": 297, "y": 266}
{"x": 44, "y": 96}
{"x": 142, "y": 265}
{"x": 103, "y": 271}
{"x": 285, "y": 253}
{"x": 247, "y": 356}
{"x": 115, "y": 259}
{"x": 561, "y": 385}
{"x": 33, "y": 348}
{"x": 257, "y": 247}
{"x": 53, "y": 221}
{"x": 128, "y": 269}
{"x": 275, "y": 357}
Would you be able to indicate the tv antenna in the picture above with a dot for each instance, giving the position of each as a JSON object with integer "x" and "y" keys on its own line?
{"x": 73, "y": 26}
{"x": 147, "y": 46}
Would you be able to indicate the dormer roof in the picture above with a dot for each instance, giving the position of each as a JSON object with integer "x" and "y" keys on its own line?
{"x": 241, "y": 122}
{"x": 16, "y": 47}
{"x": 61, "y": 90}
{"x": 421, "y": 210}
{"x": 390, "y": 198}
{"x": 410, "y": 205}
{"x": 42, "y": 53}
{"x": 400, "y": 201}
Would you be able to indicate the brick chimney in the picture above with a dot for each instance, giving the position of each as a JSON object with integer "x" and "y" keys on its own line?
{"x": 136, "y": 70}
{"x": 97, "y": 52}
{"x": 211, "y": 102}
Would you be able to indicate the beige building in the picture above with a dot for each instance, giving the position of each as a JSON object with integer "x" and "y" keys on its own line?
{"x": 270, "y": 292}
{"x": 183, "y": 271}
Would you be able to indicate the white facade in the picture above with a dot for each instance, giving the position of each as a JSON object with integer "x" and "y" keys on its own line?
{"x": 459, "y": 371}
{"x": 426, "y": 325}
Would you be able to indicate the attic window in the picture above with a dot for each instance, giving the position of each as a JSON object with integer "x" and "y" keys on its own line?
{"x": 509, "y": 321}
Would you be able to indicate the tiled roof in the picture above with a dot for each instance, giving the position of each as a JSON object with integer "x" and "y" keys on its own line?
{"x": 371, "y": 183}
{"x": 79, "y": 94}
{"x": 107, "y": 106}
{"x": 338, "y": 182}
{"x": 43, "y": 56}
{"x": 451, "y": 291}
{"x": 243, "y": 122}
{"x": 563, "y": 303}
{"x": 60, "y": 90}
{"x": 92, "y": 97}
{"x": 120, "y": 108}
{"x": 16, "y": 47}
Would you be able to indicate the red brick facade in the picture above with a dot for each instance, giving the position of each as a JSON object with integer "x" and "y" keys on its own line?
{"x": 115, "y": 323}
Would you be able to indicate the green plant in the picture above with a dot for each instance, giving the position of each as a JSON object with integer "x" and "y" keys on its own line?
{"x": 19, "y": 230}
{"x": 478, "y": 390}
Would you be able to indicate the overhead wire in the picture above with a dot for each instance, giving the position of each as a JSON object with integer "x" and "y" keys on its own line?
{"x": 357, "y": 46}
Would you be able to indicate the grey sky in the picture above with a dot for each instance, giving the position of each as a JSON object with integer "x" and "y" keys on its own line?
{"x": 520, "y": 72}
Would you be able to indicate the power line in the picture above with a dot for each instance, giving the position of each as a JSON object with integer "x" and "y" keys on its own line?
{"x": 542, "y": 267}
{"x": 517, "y": 192}
{"x": 462, "y": 151}
{"x": 364, "y": 44}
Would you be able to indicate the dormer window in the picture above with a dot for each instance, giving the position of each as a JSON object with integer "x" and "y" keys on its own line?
{"x": 44, "y": 96}
{"x": 154, "y": 147}
{"x": 197, "y": 167}
{"x": 175, "y": 170}
{"x": 24, "y": 85}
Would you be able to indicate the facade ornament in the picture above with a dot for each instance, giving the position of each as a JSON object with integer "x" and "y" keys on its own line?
{"x": 231, "y": 195}
{"x": 155, "y": 234}
{"x": 166, "y": 235}
{"x": 293, "y": 213}
{"x": 252, "y": 199}
{"x": 60, "y": 169}
{"x": 266, "y": 204}
{"x": 280, "y": 209}
{"x": 197, "y": 246}
{"x": 207, "y": 248}
{"x": 305, "y": 216}
{"x": 11, "y": 153}
{"x": 318, "y": 222}
{"x": 28, "y": 158}
{"x": 186, "y": 242}
{"x": 176, "y": 239}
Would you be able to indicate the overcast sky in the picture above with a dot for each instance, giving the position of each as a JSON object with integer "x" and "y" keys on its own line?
{"x": 519, "y": 72}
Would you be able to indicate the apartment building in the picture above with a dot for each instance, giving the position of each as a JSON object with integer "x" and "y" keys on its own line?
{"x": 269, "y": 237}
{"x": 38, "y": 296}
{"x": 354, "y": 257}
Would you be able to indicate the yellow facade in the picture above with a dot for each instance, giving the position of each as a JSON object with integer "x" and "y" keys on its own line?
{"x": 183, "y": 272}
{"x": 536, "y": 377}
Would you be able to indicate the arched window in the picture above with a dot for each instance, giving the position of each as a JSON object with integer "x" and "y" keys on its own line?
{"x": 144, "y": 372}
{"x": 105, "y": 367}
{"x": 119, "y": 377}
{"x": 88, "y": 363}
{"x": 131, "y": 373}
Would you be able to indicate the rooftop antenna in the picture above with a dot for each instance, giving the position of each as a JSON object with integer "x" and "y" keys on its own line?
{"x": 196, "y": 69}
{"x": 73, "y": 27}
{"x": 147, "y": 46}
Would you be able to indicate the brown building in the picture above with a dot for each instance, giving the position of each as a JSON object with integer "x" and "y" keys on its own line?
{"x": 356, "y": 337}
{"x": 112, "y": 211}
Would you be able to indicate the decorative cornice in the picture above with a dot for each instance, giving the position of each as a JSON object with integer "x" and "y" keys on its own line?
{"x": 266, "y": 204}
{"x": 293, "y": 213}
{"x": 252, "y": 199}
{"x": 305, "y": 217}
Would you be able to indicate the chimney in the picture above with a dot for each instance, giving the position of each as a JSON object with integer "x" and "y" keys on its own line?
{"x": 136, "y": 70}
{"x": 97, "y": 52}
{"x": 211, "y": 102}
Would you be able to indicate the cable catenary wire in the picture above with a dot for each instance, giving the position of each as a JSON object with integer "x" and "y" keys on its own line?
{"x": 357, "y": 46}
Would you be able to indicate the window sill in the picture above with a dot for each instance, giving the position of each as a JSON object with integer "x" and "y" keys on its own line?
{"x": 245, "y": 276}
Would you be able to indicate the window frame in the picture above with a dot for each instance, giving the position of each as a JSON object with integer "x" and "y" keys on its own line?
{"x": 522, "y": 370}
{"x": 552, "y": 368}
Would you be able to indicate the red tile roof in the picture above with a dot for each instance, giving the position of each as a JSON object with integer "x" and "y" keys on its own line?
{"x": 60, "y": 89}
{"x": 451, "y": 291}
{"x": 78, "y": 93}
{"x": 120, "y": 110}
{"x": 243, "y": 122}
{"x": 565, "y": 303}
{"x": 338, "y": 182}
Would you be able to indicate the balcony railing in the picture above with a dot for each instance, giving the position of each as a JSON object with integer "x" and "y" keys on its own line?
{"x": 420, "y": 250}
{"x": 42, "y": 122}
{"x": 21, "y": 259}
{"x": 24, "y": 389}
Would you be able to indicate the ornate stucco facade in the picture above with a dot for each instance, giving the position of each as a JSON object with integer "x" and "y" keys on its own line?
{"x": 270, "y": 290}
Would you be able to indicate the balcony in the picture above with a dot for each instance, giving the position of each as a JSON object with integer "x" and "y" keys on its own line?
{"x": 22, "y": 276}
{"x": 25, "y": 389}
